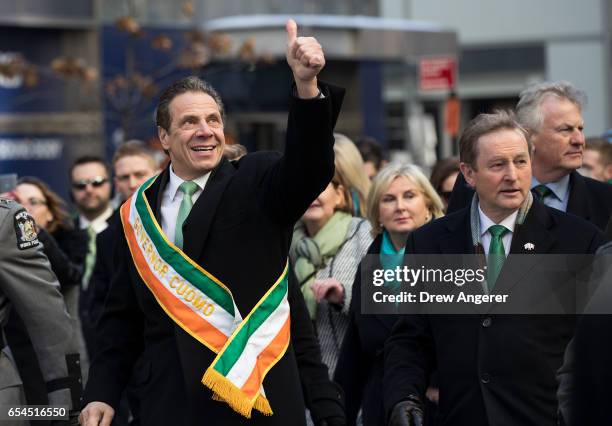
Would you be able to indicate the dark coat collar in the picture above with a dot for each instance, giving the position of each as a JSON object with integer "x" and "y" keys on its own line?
{"x": 198, "y": 223}
{"x": 458, "y": 240}
{"x": 532, "y": 238}
{"x": 535, "y": 231}
{"x": 578, "y": 201}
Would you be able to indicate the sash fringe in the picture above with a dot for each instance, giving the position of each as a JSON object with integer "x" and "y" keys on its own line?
{"x": 226, "y": 391}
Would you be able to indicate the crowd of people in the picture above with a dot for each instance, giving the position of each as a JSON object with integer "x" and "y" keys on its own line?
{"x": 226, "y": 287}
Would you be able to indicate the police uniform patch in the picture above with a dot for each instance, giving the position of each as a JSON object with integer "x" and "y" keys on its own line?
{"x": 25, "y": 230}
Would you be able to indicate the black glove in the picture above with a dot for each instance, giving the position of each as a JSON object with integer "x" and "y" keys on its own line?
{"x": 407, "y": 413}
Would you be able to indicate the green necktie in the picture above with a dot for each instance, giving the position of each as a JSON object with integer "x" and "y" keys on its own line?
{"x": 188, "y": 188}
{"x": 497, "y": 254}
{"x": 542, "y": 191}
{"x": 90, "y": 258}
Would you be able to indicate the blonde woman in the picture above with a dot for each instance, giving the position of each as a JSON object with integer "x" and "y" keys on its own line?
{"x": 400, "y": 200}
{"x": 350, "y": 163}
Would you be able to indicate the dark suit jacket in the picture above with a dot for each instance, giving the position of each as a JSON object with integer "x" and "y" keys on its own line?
{"x": 608, "y": 230}
{"x": 592, "y": 392}
{"x": 359, "y": 369}
{"x": 492, "y": 369}
{"x": 240, "y": 229}
{"x": 92, "y": 301}
{"x": 588, "y": 198}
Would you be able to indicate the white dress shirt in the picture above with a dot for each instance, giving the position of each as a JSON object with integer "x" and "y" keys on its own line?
{"x": 99, "y": 224}
{"x": 485, "y": 235}
{"x": 171, "y": 201}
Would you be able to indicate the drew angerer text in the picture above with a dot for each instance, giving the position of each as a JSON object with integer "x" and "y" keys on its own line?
{"x": 425, "y": 297}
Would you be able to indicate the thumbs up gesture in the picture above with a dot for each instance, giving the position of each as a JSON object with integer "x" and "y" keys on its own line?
{"x": 306, "y": 59}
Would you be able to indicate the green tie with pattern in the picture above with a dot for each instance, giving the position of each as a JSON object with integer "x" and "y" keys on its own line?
{"x": 542, "y": 191}
{"x": 497, "y": 254}
{"x": 188, "y": 188}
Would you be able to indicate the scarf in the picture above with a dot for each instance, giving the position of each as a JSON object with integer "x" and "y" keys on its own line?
{"x": 309, "y": 255}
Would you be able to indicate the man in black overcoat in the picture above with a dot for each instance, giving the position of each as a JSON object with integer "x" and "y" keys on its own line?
{"x": 492, "y": 369}
{"x": 239, "y": 229}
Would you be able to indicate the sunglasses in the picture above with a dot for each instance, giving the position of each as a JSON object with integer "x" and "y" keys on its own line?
{"x": 96, "y": 182}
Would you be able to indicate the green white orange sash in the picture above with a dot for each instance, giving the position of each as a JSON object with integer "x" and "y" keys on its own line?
{"x": 204, "y": 307}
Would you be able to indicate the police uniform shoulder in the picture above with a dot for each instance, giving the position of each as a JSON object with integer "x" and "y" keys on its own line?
{"x": 7, "y": 208}
{"x": 24, "y": 226}
{"x": 5, "y": 203}
{"x": 11, "y": 205}
{"x": 22, "y": 223}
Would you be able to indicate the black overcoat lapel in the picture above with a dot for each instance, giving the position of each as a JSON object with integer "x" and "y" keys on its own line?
{"x": 578, "y": 201}
{"x": 155, "y": 193}
{"x": 458, "y": 240}
{"x": 458, "y": 243}
{"x": 198, "y": 223}
{"x": 530, "y": 240}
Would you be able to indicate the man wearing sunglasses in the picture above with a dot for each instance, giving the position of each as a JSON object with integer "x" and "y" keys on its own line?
{"x": 91, "y": 192}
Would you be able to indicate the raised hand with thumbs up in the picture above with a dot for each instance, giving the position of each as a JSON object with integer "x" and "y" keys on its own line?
{"x": 306, "y": 59}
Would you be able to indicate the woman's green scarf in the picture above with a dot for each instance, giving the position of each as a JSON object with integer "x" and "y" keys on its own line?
{"x": 311, "y": 254}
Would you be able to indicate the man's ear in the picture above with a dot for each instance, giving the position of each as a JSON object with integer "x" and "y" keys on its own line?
{"x": 162, "y": 134}
{"x": 468, "y": 174}
{"x": 533, "y": 138}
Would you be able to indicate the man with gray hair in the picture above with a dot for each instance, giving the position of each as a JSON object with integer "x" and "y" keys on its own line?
{"x": 551, "y": 112}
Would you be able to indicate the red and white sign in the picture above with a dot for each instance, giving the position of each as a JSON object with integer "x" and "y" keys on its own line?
{"x": 437, "y": 73}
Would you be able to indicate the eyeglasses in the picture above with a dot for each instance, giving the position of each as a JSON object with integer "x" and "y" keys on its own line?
{"x": 96, "y": 182}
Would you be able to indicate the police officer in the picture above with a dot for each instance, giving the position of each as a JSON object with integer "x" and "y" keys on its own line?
{"x": 28, "y": 285}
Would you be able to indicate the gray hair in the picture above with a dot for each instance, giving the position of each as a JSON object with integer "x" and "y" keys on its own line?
{"x": 528, "y": 107}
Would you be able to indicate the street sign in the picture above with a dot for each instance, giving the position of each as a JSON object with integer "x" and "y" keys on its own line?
{"x": 437, "y": 73}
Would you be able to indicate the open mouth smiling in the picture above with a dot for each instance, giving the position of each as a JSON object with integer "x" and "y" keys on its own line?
{"x": 202, "y": 148}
